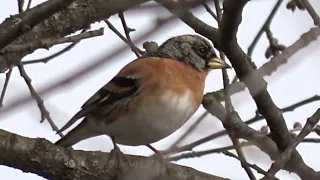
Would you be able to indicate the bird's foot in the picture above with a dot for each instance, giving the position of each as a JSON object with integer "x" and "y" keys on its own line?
{"x": 159, "y": 155}
{"x": 118, "y": 155}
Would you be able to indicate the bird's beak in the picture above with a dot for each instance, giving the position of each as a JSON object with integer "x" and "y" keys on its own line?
{"x": 217, "y": 63}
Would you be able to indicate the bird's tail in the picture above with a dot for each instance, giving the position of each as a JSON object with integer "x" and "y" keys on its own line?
{"x": 79, "y": 133}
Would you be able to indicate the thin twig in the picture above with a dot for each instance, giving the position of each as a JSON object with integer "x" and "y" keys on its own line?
{"x": 20, "y": 5}
{"x": 124, "y": 39}
{"x": 286, "y": 155}
{"x": 250, "y": 121}
{"x": 47, "y": 59}
{"x": 127, "y": 32}
{"x": 44, "y": 112}
{"x": 312, "y": 12}
{"x": 194, "y": 154}
{"x": 286, "y": 109}
{"x": 262, "y": 29}
{"x": 174, "y": 145}
{"x": 271, "y": 66}
{"x": 29, "y": 4}
{"x": 253, "y": 166}
{"x": 209, "y": 10}
{"x": 264, "y": 26}
{"x": 198, "y": 142}
{"x": 4, "y": 89}
{"x": 275, "y": 48}
{"x": 310, "y": 140}
{"x": 46, "y": 43}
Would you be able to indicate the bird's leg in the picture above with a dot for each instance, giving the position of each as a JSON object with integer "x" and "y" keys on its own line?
{"x": 115, "y": 146}
{"x": 117, "y": 152}
{"x": 159, "y": 154}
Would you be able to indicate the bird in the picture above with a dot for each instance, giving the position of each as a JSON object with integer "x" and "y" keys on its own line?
{"x": 150, "y": 98}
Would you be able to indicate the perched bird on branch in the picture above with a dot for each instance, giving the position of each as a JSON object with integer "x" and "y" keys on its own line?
{"x": 150, "y": 98}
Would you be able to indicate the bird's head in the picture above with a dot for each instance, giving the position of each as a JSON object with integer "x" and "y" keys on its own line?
{"x": 193, "y": 50}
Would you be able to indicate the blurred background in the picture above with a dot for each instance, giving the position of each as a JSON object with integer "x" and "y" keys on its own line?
{"x": 291, "y": 83}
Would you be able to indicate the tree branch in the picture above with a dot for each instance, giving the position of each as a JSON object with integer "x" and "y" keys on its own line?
{"x": 271, "y": 66}
{"x": 43, "y": 110}
{"x": 41, "y": 157}
{"x": 286, "y": 155}
{"x": 127, "y": 32}
{"x": 65, "y": 22}
{"x": 11, "y": 30}
{"x": 52, "y": 56}
{"x": 312, "y": 12}
{"x": 255, "y": 83}
{"x": 263, "y": 142}
{"x": 180, "y": 10}
{"x": 47, "y": 43}
{"x": 5, "y": 86}
{"x": 264, "y": 26}
{"x": 253, "y": 166}
{"x": 229, "y": 106}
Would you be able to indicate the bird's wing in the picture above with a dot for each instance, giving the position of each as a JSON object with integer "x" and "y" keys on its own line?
{"x": 123, "y": 85}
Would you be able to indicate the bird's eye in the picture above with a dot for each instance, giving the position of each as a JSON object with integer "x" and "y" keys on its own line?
{"x": 202, "y": 51}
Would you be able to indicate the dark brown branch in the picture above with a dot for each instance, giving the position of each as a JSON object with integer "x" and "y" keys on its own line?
{"x": 193, "y": 154}
{"x": 47, "y": 59}
{"x": 229, "y": 106}
{"x": 124, "y": 39}
{"x": 181, "y": 11}
{"x": 65, "y": 22}
{"x": 286, "y": 155}
{"x": 47, "y": 43}
{"x": 190, "y": 146}
{"x": 311, "y": 140}
{"x": 174, "y": 146}
{"x": 263, "y": 142}
{"x": 274, "y": 48}
{"x": 253, "y": 166}
{"x": 44, "y": 112}
{"x": 264, "y": 26}
{"x": 127, "y": 32}
{"x": 20, "y": 5}
{"x": 271, "y": 66}
{"x": 5, "y": 86}
{"x": 258, "y": 117}
{"x": 209, "y": 10}
{"x": 29, "y": 4}
{"x": 287, "y": 109}
{"x": 312, "y": 12}
{"x": 41, "y": 157}
{"x": 11, "y": 30}
{"x": 248, "y": 122}
{"x": 257, "y": 87}
{"x": 255, "y": 83}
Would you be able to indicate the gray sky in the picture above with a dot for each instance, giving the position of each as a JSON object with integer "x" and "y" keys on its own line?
{"x": 293, "y": 82}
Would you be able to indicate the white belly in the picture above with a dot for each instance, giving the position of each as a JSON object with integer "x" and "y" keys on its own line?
{"x": 152, "y": 123}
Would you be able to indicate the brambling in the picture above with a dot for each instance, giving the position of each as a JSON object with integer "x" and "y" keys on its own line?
{"x": 150, "y": 98}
